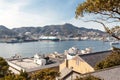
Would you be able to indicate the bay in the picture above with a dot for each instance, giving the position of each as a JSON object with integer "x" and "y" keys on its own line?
{"x": 46, "y": 47}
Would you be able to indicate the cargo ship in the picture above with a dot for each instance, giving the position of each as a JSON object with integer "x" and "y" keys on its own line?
{"x": 49, "y": 38}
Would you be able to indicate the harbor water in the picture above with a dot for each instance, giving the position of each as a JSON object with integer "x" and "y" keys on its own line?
{"x": 45, "y": 47}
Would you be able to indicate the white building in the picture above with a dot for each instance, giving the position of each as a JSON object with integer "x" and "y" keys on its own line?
{"x": 38, "y": 60}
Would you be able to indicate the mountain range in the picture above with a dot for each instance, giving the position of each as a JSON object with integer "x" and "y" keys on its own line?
{"x": 63, "y": 30}
{"x": 4, "y": 31}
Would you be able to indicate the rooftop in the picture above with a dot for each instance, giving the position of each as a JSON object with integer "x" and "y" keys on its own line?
{"x": 94, "y": 58}
{"x": 109, "y": 74}
{"x": 28, "y": 65}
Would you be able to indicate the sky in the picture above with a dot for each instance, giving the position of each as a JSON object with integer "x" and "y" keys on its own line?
{"x": 23, "y": 13}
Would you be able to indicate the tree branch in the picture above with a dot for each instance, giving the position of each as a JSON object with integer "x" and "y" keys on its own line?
{"x": 106, "y": 29}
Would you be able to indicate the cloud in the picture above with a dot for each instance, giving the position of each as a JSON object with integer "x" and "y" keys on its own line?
{"x": 19, "y": 13}
{"x": 12, "y": 15}
{"x": 10, "y": 11}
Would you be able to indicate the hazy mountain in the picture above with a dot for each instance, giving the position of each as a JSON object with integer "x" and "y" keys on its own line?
{"x": 4, "y": 31}
{"x": 27, "y": 29}
{"x": 63, "y": 30}
{"x": 66, "y": 29}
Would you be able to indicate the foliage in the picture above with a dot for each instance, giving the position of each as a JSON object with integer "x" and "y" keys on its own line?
{"x": 46, "y": 74}
{"x": 24, "y": 74}
{"x": 3, "y": 67}
{"x": 112, "y": 60}
{"x": 14, "y": 77}
{"x": 108, "y": 10}
{"x": 21, "y": 76}
{"x": 90, "y": 77}
{"x": 116, "y": 30}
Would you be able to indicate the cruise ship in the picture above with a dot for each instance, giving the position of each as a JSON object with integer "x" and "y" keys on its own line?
{"x": 49, "y": 38}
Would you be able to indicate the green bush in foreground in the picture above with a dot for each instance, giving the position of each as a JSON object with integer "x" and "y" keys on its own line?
{"x": 3, "y": 67}
{"x": 90, "y": 77}
{"x": 12, "y": 76}
{"x": 45, "y": 74}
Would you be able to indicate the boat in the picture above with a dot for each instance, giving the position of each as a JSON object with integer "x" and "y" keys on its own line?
{"x": 13, "y": 41}
{"x": 49, "y": 38}
{"x": 30, "y": 40}
{"x": 114, "y": 43}
{"x": 21, "y": 41}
